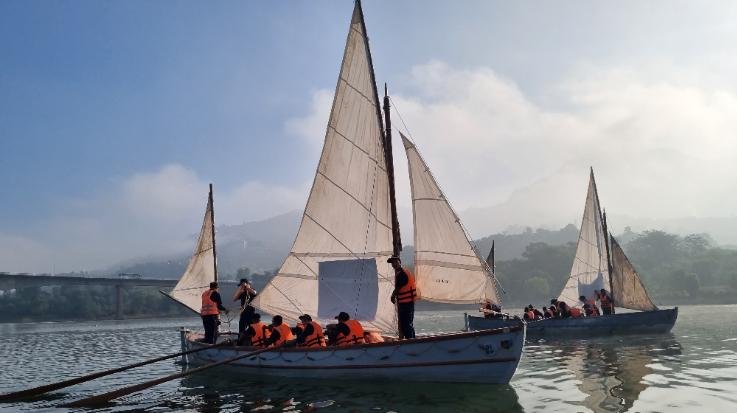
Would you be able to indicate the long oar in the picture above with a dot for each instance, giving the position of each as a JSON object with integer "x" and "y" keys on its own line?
{"x": 36, "y": 391}
{"x": 107, "y": 397}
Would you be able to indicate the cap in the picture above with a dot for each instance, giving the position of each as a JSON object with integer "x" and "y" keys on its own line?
{"x": 244, "y": 280}
{"x": 214, "y": 284}
{"x": 305, "y": 317}
{"x": 343, "y": 316}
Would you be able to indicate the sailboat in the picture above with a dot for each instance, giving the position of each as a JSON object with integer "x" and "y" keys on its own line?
{"x": 599, "y": 263}
{"x": 202, "y": 268}
{"x": 338, "y": 262}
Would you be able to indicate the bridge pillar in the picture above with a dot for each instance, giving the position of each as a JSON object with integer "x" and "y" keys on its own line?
{"x": 119, "y": 302}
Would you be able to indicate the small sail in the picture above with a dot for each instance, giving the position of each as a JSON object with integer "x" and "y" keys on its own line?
{"x": 447, "y": 268}
{"x": 590, "y": 270}
{"x": 627, "y": 288}
{"x": 490, "y": 259}
{"x": 338, "y": 260}
{"x": 201, "y": 269}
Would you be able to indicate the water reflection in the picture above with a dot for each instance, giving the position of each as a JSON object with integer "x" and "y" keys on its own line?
{"x": 610, "y": 372}
{"x": 218, "y": 391}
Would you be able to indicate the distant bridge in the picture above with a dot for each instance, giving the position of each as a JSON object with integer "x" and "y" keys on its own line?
{"x": 19, "y": 281}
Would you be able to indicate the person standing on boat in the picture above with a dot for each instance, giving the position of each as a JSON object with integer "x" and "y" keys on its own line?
{"x": 245, "y": 294}
{"x": 212, "y": 305}
{"x": 607, "y": 305}
{"x": 404, "y": 295}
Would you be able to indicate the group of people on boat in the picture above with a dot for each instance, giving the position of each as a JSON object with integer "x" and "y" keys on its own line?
{"x": 307, "y": 333}
{"x": 560, "y": 309}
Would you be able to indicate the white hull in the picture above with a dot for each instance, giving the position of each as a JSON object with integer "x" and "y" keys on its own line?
{"x": 489, "y": 356}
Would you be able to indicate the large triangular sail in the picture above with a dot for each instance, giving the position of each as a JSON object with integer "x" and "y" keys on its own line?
{"x": 447, "y": 267}
{"x": 338, "y": 259}
{"x": 202, "y": 269}
{"x": 627, "y": 288}
{"x": 590, "y": 270}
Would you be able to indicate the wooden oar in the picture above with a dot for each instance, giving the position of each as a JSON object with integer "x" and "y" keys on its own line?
{"x": 107, "y": 397}
{"x": 36, "y": 391}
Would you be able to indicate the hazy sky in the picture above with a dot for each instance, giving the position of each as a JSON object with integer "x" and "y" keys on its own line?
{"x": 114, "y": 116}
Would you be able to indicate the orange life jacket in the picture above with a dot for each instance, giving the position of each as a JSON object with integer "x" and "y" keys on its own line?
{"x": 605, "y": 300}
{"x": 355, "y": 336}
{"x": 261, "y": 333}
{"x": 575, "y": 312}
{"x": 408, "y": 292}
{"x": 209, "y": 307}
{"x": 285, "y": 334}
{"x": 593, "y": 311}
{"x": 317, "y": 338}
{"x": 531, "y": 315}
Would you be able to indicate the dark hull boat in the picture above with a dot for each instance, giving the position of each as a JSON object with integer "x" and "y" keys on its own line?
{"x": 600, "y": 263}
{"x": 644, "y": 322}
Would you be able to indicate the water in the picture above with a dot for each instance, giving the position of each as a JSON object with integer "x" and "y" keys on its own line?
{"x": 693, "y": 369}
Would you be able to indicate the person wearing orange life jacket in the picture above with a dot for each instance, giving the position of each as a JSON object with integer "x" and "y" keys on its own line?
{"x": 607, "y": 305}
{"x": 257, "y": 332}
{"x": 281, "y": 334}
{"x": 575, "y": 312}
{"x": 310, "y": 332}
{"x": 350, "y": 332}
{"x": 528, "y": 314}
{"x": 404, "y": 295}
{"x": 589, "y": 306}
{"x": 212, "y": 304}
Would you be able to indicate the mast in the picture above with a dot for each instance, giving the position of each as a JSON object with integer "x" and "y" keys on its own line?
{"x": 607, "y": 237}
{"x": 397, "y": 241}
{"x": 212, "y": 229}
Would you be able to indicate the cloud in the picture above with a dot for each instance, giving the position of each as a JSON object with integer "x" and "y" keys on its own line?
{"x": 661, "y": 142}
{"x": 147, "y": 214}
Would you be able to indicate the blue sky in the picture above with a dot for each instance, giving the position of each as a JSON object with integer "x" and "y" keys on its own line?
{"x": 101, "y": 99}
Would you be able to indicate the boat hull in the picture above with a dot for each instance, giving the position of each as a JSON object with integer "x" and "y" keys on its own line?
{"x": 489, "y": 356}
{"x": 645, "y": 322}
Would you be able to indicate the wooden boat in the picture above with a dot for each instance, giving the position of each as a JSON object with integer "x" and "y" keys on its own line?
{"x": 599, "y": 263}
{"x": 338, "y": 262}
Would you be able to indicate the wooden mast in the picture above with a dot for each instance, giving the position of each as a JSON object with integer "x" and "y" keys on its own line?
{"x": 212, "y": 229}
{"x": 602, "y": 216}
{"x": 396, "y": 238}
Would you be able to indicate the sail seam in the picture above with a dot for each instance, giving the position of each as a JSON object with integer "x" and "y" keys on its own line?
{"x": 376, "y": 161}
{"x": 342, "y": 254}
{"x": 355, "y": 199}
{"x": 445, "y": 264}
{"x": 357, "y": 91}
{"x": 447, "y": 253}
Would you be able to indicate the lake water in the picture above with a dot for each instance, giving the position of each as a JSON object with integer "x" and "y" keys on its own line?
{"x": 692, "y": 369}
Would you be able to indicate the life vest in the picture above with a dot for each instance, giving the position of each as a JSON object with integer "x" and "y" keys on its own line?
{"x": 408, "y": 292}
{"x": 209, "y": 307}
{"x": 355, "y": 336}
{"x": 530, "y": 315}
{"x": 261, "y": 333}
{"x": 575, "y": 312}
{"x": 317, "y": 338}
{"x": 605, "y": 301}
{"x": 285, "y": 334}
{"x": 591, "y": 309}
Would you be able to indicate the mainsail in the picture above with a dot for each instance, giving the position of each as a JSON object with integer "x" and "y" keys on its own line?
{"x": 202, "y": 269}
{"x": 627, "y": 288}
{"x": 590, "y": 270}
{"x": 338, "y": 259}
{"x": 447, "y": 268}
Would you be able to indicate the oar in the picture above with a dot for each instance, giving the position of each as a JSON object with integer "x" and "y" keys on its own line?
{"x": 24, "y": 394}
{"x": 107, "y": 397}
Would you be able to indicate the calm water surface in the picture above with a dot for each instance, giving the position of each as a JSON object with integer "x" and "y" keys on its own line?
{"x": 692, "y": 369}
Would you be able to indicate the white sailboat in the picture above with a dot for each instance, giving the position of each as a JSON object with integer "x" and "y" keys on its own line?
{"x": 599, "y": 263}
{"x": 338, "y": 262}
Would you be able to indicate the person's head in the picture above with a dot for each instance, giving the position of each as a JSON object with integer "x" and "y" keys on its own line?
{"x": 496, "y": 307}
{"x": 249, "y": 309}
{"x": 256, "y": 317}
{"x": 276, "y": 320}
{"x": 342, "y": 317}
{"x": 603, "y": 291}
{"x": 527, "y": 309}
{"x": 305, "y": 318}
{"x": 554, "y": 301}
{"x": 244, "y": 281}
{"x": 395, "y": 262}
{"x": 213, "y": 285}
{"x": 582, "y": 298}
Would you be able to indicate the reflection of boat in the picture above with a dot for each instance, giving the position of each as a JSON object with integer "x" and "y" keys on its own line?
{"x": 338, "y": 262}
{"x": 610, "y": 373}
{"x": 368, "y": 395}
{"x": 598, "y": 264}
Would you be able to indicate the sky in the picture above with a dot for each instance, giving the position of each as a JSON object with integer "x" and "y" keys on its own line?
{"x": 114, "y": 116}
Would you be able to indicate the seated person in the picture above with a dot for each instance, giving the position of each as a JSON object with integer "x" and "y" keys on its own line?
{"x": 281, "y": 334}
{"x": 309, "y": 333}
{"x": 256, "y": 333}
{"x": 349, "y": 332}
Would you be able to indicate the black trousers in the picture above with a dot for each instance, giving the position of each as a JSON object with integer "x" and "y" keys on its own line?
{"x": 406, "y": 312}
{"x": 210, "y": 322}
